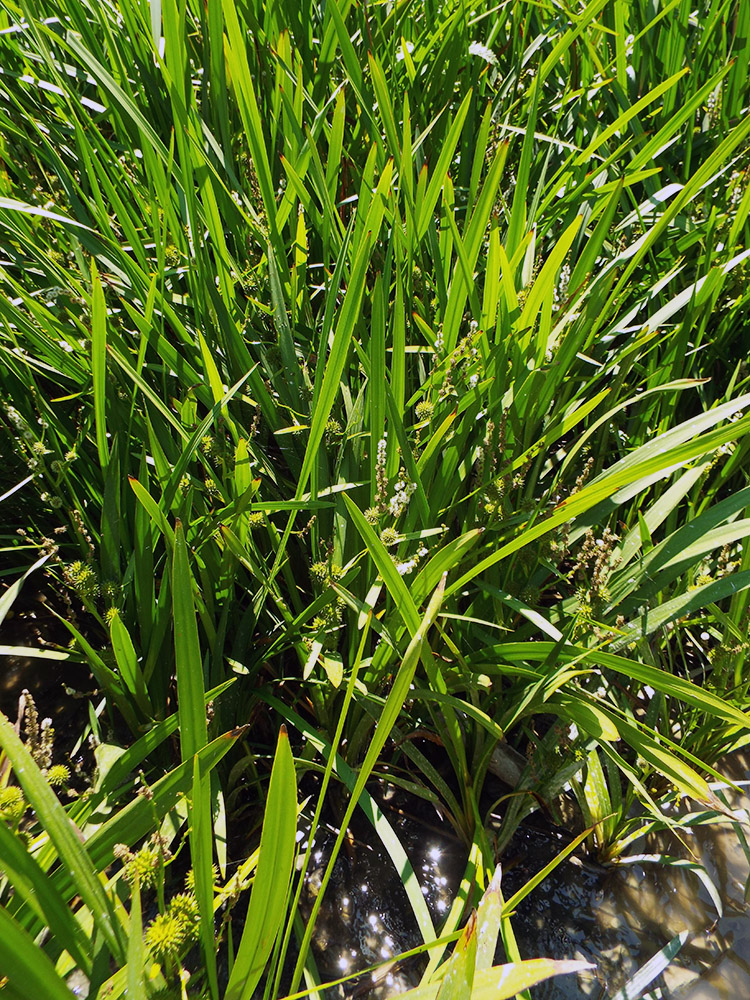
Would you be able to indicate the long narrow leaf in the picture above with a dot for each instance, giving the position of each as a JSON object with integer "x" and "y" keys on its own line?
{"x": 65, "y": 838}
{"x": 268, "y": 899}
{"x": 188, "y": 666}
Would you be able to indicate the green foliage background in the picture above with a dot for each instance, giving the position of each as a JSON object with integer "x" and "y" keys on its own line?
{"x": 388, "y": 360}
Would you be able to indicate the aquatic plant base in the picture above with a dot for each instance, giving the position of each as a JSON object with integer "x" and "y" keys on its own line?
{"x": 617, "y": 917}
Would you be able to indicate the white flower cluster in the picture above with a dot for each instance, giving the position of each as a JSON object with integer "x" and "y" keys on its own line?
{"x": 400, "y": 499}
{"x": 18, "y": 422}
{"x": 477, "y": 49}
{"x": 407, "y": 567}
{"x": 409, "y": 46}
{"x": 404, "y": 568}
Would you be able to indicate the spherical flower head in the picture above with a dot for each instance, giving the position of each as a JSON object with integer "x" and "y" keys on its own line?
{"x": 184, "y": 908}
{"x": 372, "y": 516}
{"x": 83, "y": 579}
{"x": 389, "y": 536}
{"x": 166, "y": 935}
{"x": 255, "y": 519}
{"x": 584, "y": 602}
{"x": 145, "y": 864}
{"x": 330, "y": 616}
{"x": 333, "y": 429}
{"x": 12, "y": 805}
{"x": 424, "y": 410}
{"x": 319, "y": 572}
{"x": 190, "y": 879}
{"x": 58, "y": 775}
{"x": 171, "y": 256}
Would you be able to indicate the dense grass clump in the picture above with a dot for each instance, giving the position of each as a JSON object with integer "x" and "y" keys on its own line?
{"x": 369, "y": 368}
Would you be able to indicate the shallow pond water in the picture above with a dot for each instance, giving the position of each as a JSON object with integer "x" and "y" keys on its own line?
{"x": 619, "y": 920}
{"x": 617, "y": 917}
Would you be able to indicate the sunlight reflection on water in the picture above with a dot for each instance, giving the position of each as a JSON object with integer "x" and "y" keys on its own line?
{"x": 617, "y": 919}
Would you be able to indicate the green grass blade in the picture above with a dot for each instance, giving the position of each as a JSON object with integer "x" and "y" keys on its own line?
{"x": 27, "y": 968}
{"x": 7, "y": 599}
{"x": 677, "y": 771}
{"x": 136, "y": 987}
{"x": 188, "y": 663}
{"x": 268, "y": 899}
{"x": 73, "y": 854}
{"x": 388, "y": 719}
{"x": 517, "y": 223}
{"x": 154, "y": 511}
{"x": 656, "y": 458}
{"x": 618, "y": 125}
{"x": 242, "y": 81}
{"x": 131, "y": 758}
{"x": 135, "y": 820}
{"x": 32, "y": 884}
{"x": 386, "y": 567}
{"x": 201, "y": 855}
{"x": 348, "y": 317}
{"x": 510, "y": 904}
{"x": 437, "y": 179}
{"x": 679, "y": 607}
{"x": 643, "y": 978}
{"x": 128, "y": 664}
{"x": 99, "y": 363}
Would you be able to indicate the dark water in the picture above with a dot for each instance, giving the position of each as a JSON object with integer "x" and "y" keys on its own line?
{"x": 56, "y": 685}
{"x": 366, "y": 917}
{"x": 616, "y": 917}
{"x": 619, "y": 920}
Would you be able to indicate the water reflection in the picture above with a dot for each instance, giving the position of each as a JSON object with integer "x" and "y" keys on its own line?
{"x": 366, "y": 918}
{"x": 617, "y": 918}
{"x": 621, "y": 919}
